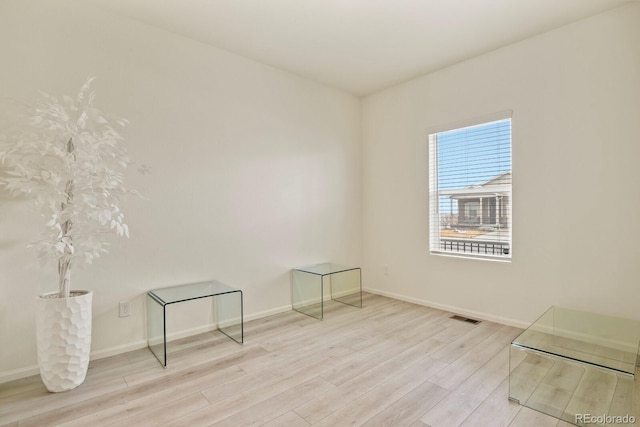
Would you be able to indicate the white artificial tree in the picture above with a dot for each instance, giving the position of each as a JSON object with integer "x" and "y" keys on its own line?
{"x": 70, "y": 160}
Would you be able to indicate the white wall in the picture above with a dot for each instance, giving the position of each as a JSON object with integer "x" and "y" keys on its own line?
{"x": 254, "y": 171}
{"x": 575, "y": 96}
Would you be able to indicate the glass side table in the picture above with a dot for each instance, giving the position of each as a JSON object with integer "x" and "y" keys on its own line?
{"x": 227, "y": 307}
{"x": 307, "y": 287}
{"x": 576, "y": 366}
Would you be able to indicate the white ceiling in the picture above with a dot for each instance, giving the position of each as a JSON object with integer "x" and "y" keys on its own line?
{"x": 360, "y": 46}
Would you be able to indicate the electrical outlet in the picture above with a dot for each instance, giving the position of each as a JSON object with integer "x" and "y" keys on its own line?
{"x": 386, "y": 270}
{"x": 125, "y": 308}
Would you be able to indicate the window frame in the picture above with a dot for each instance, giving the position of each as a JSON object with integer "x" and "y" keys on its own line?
{"x": 434, "y": 215}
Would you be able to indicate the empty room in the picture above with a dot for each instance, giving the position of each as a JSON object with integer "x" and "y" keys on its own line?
{"x": 319, "y": 213}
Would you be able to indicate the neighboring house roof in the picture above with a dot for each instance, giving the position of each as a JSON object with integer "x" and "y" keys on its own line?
{"x": 496, "y": 186}
{"x": 502, "y": 179}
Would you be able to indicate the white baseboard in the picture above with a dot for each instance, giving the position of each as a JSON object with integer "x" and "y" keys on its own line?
{"x": 267, "y": 313}
{"x": 19, "y": 373}
{"x": 457, "y": 310}
{"x": 112, "y": 351}
{"x": 16, "y": 374}
{"x": 583, "y": 337}
{"x": 28, "y": 371}
{"x": 118, "y": 349}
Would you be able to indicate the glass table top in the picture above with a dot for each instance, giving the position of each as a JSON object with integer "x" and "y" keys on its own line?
{"x": 191, "y": 291}
{"x": 324, "y": 269}
{"x": 605, "y": 341}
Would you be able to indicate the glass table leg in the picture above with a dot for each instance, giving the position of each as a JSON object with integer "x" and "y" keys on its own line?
{"x": 307, "y": 291}
{"x": 156, "y": 330}
{"x": 346, "y": 287}
{"x": 229, "y": 317}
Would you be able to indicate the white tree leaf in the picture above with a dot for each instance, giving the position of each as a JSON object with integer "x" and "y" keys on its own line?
{"x": 82, "y": 182}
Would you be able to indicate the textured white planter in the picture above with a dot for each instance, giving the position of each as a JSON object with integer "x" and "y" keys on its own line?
{"x": 63, "y": 333}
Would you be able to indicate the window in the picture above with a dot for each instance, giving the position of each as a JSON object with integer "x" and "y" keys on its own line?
{"x": 470, "y": 190}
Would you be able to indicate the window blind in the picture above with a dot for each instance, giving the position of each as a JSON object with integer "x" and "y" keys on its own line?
{"x": 470, "y": 190}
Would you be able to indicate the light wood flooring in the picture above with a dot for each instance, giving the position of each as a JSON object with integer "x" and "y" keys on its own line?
{"x": 390, "y": 363}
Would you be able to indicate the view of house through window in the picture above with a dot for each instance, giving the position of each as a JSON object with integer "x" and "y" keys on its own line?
{"x": 470, "y": 190}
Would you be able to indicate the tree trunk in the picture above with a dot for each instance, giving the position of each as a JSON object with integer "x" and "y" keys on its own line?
{"x": 64, "y": 263}
{"x": 64, "y": 271}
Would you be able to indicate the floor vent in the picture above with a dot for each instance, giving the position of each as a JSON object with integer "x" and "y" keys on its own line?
{"x": 465, "y": 319}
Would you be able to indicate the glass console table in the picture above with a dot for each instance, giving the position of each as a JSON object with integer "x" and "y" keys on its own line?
{"x": 576, "y": 366}
{"x": 227, "y": 307}
{"x": 307, "y": 287}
